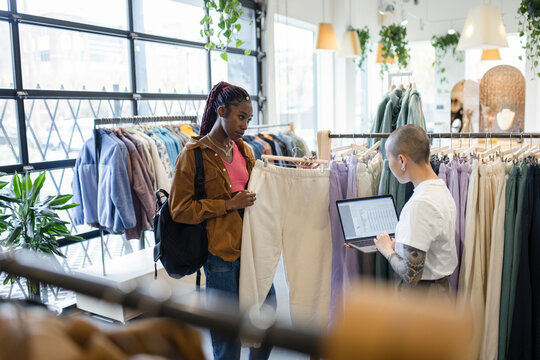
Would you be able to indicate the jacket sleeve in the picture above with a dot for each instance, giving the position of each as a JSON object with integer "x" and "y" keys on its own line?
{"x": 120, "y": 193}
{"x": 182, "y": 205}
{"x": 415, "y": 115}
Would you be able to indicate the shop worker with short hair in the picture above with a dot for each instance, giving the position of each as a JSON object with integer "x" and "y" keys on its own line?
{"x": 423, "y": 253}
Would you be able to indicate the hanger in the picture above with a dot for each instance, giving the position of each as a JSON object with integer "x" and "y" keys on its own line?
{"x": 292, "y": 159}
{"x": 373, "y": 148}
{"x": 351, "y": 147}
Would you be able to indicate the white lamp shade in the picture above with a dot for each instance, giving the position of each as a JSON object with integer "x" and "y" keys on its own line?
{"x": 483, "y": 29}
{"x": 350, "y": 44}
{"x": 326, "y": 38}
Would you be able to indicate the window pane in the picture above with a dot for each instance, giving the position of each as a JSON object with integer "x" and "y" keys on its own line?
{"x": 170, "y": 69}
{"x": 295, "y": 69}
{"x": 109, "y": 13}
{"x": 58, "y": 128}
{"x": 171, "y": 107}
{"x": 9, "y": 134}
{"x": 71, "y": 60}
{"x": 177, "y": 19}
{"x": 3, "y": 5}
{"x": 240, "y": 70}
{"x": 247, "y": 31}
{"x": 6, "y": 61}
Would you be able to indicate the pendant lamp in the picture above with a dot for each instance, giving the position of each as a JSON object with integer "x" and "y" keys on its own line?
{"x": 350, "y": 43}
{"x": 326, "y": 36}
{"x": 491, "y": 54}
{"x": 483, "y": 29}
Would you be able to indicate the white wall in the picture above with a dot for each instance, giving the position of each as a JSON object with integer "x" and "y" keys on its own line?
{"x": 436, "y": 14}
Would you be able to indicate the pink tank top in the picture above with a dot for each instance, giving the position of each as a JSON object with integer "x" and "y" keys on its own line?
{"x": 237, "y": 170}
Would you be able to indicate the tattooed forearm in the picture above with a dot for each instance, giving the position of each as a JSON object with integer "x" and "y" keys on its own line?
{"x": 411, "y": 266}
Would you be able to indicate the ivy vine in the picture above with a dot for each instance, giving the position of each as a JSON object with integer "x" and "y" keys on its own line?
{"x": 529, "y": 24}
{"x": 221, "y": 35}
{"x": 363, "y": 39}
{"x": 394, "y": 46}
{"x": 442, "y": 45}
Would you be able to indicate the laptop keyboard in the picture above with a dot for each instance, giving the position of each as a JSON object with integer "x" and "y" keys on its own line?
{"x": 365, "y": 242}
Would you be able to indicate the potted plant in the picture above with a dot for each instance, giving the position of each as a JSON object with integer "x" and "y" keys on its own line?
{"x": 227, "y": 28}
{"x": 442, "y": 45}
{"x": 529, "y": 24}
{"x": 30, "y": 222}
{"x": 394, "y": 46}
{"x": 363, "y": 39}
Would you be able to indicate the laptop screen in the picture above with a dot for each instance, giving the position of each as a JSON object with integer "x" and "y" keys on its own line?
{"x": 364, "y": 218}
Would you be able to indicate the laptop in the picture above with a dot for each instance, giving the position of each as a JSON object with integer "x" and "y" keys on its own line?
{"x": 362, "y": 219}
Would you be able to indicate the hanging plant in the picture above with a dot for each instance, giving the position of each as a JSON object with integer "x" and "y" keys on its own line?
{"x": 529, "y": 24}
{"x": 442, "y": 45}
{"x": 363, "y": 39}
{"x": 226, "y": 30}
{"x": 394, "y": 46}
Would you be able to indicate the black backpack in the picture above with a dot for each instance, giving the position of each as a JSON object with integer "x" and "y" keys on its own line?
{"x": 181, "y": 248}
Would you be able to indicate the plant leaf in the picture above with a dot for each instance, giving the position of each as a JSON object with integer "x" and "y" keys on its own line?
{"x": 223, "y": 55}
{"x": 16, "y": 185}
{"x": 60, "y": 199}
{"x": 247, "y": 52}
{"x": 14, "y": 235}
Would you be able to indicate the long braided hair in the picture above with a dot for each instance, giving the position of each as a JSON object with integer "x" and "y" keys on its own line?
{"x": 222, "y": 94}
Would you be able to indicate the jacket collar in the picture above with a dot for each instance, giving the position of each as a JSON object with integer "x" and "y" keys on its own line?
{"x": 196, "y": 142}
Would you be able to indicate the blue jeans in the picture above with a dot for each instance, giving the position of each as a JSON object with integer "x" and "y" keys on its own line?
{"x": 224, "y": 276}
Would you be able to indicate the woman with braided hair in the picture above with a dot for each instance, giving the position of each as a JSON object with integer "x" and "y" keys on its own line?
{"x": 228, "y": 162}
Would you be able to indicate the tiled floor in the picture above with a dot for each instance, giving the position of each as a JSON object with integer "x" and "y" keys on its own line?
{"x": 89, "y": 252}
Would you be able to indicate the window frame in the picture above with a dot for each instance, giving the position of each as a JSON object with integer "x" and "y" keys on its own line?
{"x": 19, "y": 93}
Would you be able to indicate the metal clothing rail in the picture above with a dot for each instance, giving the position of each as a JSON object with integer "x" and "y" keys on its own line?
{"x": 134, "y": 120}
{"x": 143, "y": 119}
{"x": 269, "y": 126}
{"x": 158, "y": 300}
{"x": 324, "y": 137}
{"x": 488, "y": 135}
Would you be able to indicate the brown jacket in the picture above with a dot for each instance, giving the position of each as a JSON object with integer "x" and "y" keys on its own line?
{"x": 224, "y": 228}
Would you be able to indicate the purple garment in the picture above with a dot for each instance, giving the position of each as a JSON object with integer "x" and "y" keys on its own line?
{"x": 464, "y": 175}
{"x": 339, "y": 174}
{"x": 352, "y": 271}
{"x": 453, "y": 185}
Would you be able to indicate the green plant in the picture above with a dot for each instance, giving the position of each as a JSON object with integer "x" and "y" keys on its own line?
{"x": 442, "y": 45}
{"x": 29, "y": 222}
{"x": 529, "y": 24}
{"x": 363, "y": 39}
{"x": 226, "y": 30}
{"x": 394, "y": 46}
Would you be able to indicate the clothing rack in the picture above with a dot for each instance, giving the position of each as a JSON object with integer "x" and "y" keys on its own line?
{"x": 157, "y": 301}
{"x": 269, "y": 126}
{"x": 324, "y": 136}
{"x": 134, "y": 120}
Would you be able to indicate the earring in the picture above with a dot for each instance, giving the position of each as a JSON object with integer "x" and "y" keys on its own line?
{"x": 403, "y": 168}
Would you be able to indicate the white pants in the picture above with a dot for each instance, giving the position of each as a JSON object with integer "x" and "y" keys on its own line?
{"x": 290, "y": 214}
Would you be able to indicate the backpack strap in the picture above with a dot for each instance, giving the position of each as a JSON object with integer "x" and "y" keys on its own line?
{"x": 199, "y": 174}
{"x": 199, "y": 192}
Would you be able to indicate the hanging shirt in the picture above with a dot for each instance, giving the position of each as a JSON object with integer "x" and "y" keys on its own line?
{"x": 237, "y": 170}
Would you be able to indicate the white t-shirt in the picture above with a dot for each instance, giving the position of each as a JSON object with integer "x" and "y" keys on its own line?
{"x": 428, "y": 223}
